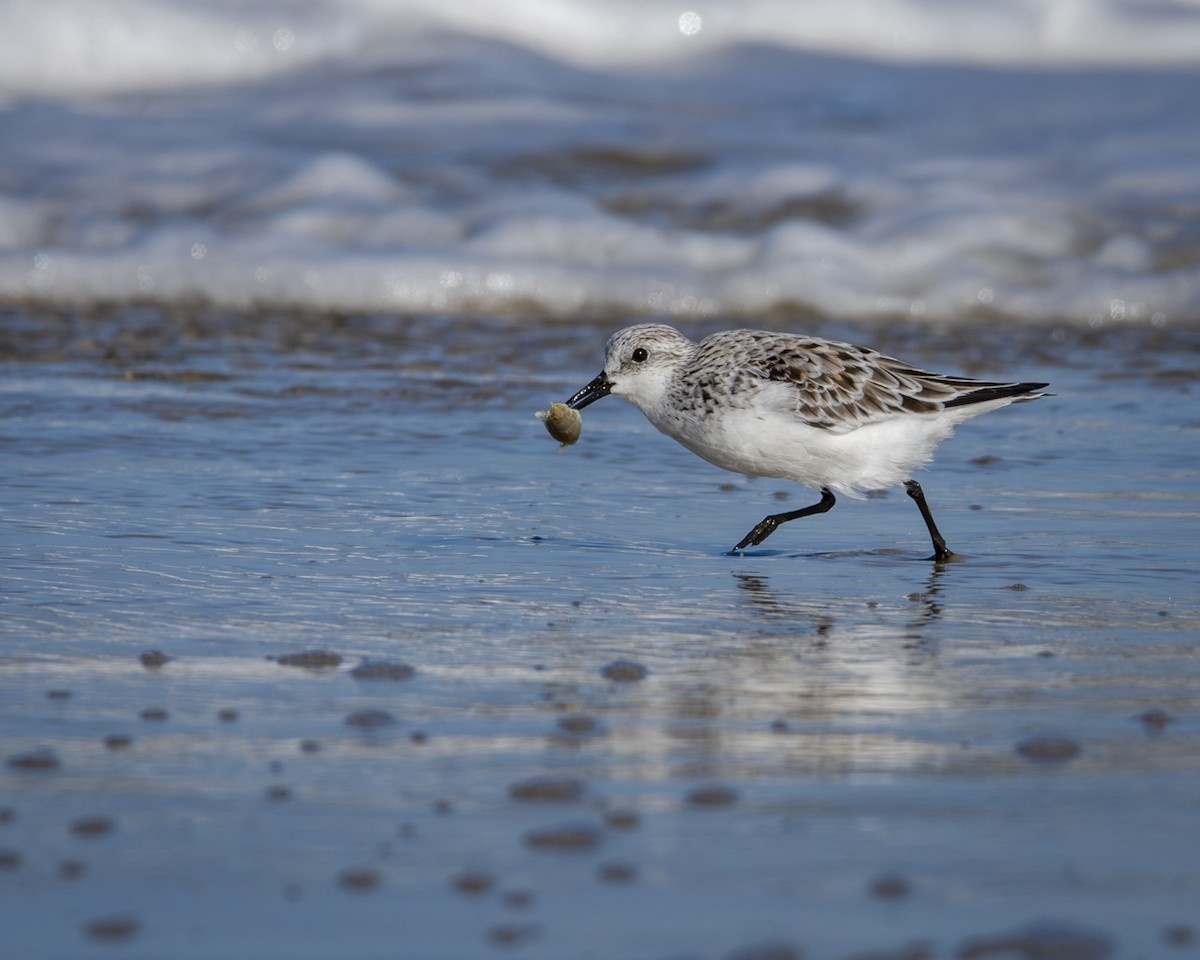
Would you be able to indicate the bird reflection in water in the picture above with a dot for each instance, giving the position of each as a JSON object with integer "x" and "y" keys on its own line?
{"x": 927, "y": 606}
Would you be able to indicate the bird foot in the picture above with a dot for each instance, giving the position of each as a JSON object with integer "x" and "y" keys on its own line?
{"x": 756, "y": 536}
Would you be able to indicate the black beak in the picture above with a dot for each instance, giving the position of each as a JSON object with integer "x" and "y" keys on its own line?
{"x": 600, "y": 387}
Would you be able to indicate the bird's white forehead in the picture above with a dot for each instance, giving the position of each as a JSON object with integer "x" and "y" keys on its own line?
{"x": 643, "y": 334}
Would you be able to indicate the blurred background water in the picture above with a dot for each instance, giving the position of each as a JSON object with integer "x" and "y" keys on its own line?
{"x": 1035, "y": 162}
{"x": 281, "y": 286}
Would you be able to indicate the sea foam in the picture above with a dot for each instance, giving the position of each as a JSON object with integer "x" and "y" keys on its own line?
{"x": 907, "y": 158}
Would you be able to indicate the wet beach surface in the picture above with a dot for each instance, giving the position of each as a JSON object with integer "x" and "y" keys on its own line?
{"x": 312, "y": 644}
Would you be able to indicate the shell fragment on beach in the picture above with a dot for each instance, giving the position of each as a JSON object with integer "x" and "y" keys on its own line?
{"x": 563, "y": 423}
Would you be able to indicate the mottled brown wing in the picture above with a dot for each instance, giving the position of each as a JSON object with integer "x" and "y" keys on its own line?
{"x": 841, "y": 386}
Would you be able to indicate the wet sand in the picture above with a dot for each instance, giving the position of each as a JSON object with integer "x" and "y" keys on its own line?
{"x": 314, "y": 645}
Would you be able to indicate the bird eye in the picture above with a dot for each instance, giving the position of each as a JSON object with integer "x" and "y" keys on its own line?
{"x": 639, "y": 355}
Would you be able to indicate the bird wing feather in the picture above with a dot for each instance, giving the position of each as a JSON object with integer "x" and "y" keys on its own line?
{"x": 838, "y": 386}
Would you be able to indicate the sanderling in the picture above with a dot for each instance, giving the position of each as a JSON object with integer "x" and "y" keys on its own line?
{"x": 828, "y": 415}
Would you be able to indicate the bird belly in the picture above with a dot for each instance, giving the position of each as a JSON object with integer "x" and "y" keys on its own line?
{"x": 871, "y": 457}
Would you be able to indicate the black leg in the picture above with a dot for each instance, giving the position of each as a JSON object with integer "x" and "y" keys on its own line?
{"x": 767, "y": 525}
{"x": 941, "y": 553}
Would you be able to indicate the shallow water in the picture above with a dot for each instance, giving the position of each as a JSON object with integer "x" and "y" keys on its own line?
{"x": 998, "y": 754}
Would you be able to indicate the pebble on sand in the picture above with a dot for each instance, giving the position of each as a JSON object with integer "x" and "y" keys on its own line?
{"x": 564, "y": 836}
{"x": 622, "y": 819}
{"x": 624, "y": 670}
{"x": 1155, "y": 720}
{"x": 382, "y": 670}
{"x": 41, "y": 759}
{"x": 512, "y": 935}
{"x": 1042, "y": 939}
{"x": 578, "y": 723}
{"x": 92, "y": 826}
{"x": 714, "y": 795}
{"x": 890, "y": 886}
{"x": 359, "y": 879}
{"x": 311, "y": 660}
{"x": 1049, "y": 749}
{"x": 472, "y": 882}
{"x": 546, "y": 790}
{"x": 369, "y": 718}
{"x": 111, "y": 929}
